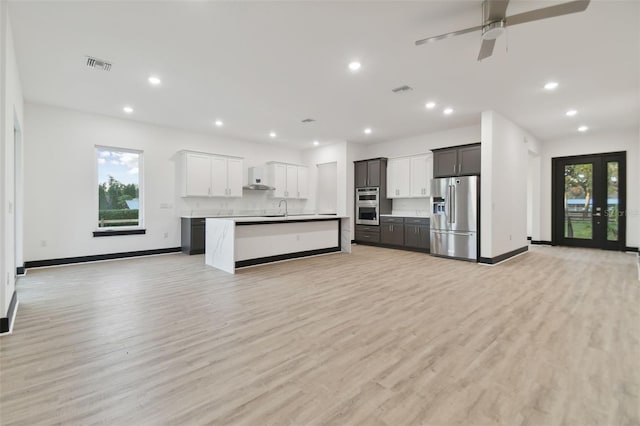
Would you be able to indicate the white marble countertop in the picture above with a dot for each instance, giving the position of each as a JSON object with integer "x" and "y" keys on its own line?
{"x": 289, "y": 218}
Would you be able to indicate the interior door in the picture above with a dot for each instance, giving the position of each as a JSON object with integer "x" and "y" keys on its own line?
{"x": 589, "y": 201}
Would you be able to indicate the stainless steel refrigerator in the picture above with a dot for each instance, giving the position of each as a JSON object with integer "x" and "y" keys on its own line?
{"x": 454, "y": 217}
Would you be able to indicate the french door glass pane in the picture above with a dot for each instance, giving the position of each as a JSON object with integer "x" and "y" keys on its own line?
{"x": 578, "y": 202}
{"x": 612, "y": 201}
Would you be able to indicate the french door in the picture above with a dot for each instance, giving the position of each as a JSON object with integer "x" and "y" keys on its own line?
{"x": 589, "y": 201}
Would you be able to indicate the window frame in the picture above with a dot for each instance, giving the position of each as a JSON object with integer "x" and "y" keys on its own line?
{"x": 119, "y": 230}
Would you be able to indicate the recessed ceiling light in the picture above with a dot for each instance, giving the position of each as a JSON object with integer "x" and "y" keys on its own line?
{"x": 127, "y": 109}
{"x": 316, "y": 143}
{"x": 219, "y": 123}
{"x": 571, "y": 112}
{"x": 154, "y": 81}
{"x": 583, "y": 128}
{"x": 551, "y": 85}
{"x": 430, "y": 105}
{"x": 272, "y": 135}
{"x": 354, "y": 66}
{"x": 447, "y": 111}
{"x": 367, "y": 131}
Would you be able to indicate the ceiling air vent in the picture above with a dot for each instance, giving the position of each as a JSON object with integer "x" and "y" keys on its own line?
{"x": 308, "y": 120}
{"x": 98, "y": 64}
{"x": 401, "y": 89}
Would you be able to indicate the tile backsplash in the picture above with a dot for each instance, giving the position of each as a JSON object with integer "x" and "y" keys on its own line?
{"x": 411, "y": 206}
{"x": 252, "y": 203}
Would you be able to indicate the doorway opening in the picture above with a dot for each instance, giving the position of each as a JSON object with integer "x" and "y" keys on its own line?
{"x": 589, "y": 201}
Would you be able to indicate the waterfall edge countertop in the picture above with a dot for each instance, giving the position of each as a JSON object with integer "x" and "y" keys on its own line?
{"x": 236, "y": 242}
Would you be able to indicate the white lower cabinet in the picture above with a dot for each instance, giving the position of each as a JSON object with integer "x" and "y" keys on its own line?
{"x": 409, "y": 177}
{"x": 209, "y": 175}
{"x": 289, "y": 180}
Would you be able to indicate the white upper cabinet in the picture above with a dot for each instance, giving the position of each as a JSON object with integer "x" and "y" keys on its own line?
{"x": 234, "y": 177}
{"x": 303, "y": 182}
{"x": 207, "y": 175}
{"x": 277, "y": 177}
{"x": 197, "y": 170}
{"x": 289, "y": 180}
{"x": 398, "y": 178}
{"x": 421, "y": 175}
{"x": 409, "y": 177}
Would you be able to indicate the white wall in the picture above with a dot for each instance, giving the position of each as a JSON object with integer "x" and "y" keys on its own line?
{"x": 415, "y": 145}
{"x": 11, "y": 113}
{"x": 422, "y": 143}
{"x": 60, "y": 181}
{"x": 503, "y": 186}
{"x": 334, "y": 152}
{"x": 355, "y": 152}
{"x": 594, "y": 143}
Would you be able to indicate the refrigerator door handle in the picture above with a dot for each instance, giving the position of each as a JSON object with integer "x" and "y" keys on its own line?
{"x": 453, "y": 204}
{"x": 449, "y": 205}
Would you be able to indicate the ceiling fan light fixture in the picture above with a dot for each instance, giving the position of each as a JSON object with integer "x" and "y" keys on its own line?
{"x": 493, "y": 30}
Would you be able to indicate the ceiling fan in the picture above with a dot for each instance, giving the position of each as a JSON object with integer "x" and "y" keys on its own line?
{"x": 495, "y": 21}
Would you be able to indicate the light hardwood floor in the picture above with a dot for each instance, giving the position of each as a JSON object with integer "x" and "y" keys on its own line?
{"x": 379, "y": 337}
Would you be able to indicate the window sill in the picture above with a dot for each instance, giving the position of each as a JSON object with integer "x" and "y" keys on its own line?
{"x": 113, "y": 233}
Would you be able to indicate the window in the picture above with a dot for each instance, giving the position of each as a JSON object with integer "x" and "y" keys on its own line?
{"x": 119, "y": 191}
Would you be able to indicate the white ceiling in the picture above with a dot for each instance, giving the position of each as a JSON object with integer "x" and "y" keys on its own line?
{"x": 263, "y": 66}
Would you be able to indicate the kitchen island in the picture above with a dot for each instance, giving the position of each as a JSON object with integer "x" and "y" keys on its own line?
{"x": 244, "y": 241}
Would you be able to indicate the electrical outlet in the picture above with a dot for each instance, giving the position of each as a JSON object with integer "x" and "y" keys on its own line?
{"x": 166, "y": 235}
{"x": 43, "y": 243}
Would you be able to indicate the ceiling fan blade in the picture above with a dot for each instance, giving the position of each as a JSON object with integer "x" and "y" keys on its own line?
{"x": 447, "y": 35}
{"x": 495, "y": 10}
{"x": 486, "y": 49}
{"x": 548, "y": 12}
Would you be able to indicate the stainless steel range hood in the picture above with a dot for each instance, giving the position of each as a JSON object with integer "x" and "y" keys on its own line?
{"x": 255, "y": 180}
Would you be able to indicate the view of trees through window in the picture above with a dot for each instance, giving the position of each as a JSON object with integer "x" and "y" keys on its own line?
{"x": 118, "y": 188}
{"x": 578, "y": 193}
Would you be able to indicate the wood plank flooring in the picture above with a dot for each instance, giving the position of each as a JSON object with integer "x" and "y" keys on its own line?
{"x": 378, "y": 337}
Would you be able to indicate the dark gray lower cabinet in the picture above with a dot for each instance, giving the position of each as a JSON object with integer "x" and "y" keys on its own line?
{"x": 392, "y": 231}
{"x": 192, "y": 235}
{"x": 416, "y": 236}
{"x": 367, "y": 234}
{"x": 411, "y": 233}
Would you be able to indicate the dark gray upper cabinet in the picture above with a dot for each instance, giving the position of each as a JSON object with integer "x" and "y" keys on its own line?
{"x": 374, "y": 172}
{"x": 457, "y": 161}
{"x": 469, "y": 160}
{"x": 361, "y": 174}
{"x": 445, "y": 163}
{"x": 371, "y": 173}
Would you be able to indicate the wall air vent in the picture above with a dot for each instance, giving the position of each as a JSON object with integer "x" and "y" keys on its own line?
{"x": 401, "y": 89}
{"x": 308, "y": 120}
{"x": 98, "y": 64}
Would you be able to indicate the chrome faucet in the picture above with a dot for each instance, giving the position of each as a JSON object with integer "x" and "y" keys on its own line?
{"x": 286, "y": 212}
